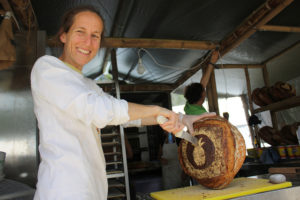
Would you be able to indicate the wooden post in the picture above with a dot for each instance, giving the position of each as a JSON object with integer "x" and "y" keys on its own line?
{"x": 211, "y": 93}
{"x": 267, "y": 83}
{"x": 254, "y": 133}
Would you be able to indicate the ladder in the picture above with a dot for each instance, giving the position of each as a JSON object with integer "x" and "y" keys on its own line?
{"x": 113, "y": 143}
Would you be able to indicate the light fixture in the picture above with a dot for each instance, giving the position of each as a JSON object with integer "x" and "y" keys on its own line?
{"x": 140, "y": 68}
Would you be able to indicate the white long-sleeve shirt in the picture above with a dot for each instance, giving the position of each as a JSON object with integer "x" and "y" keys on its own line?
{"x": 69, "y": 107}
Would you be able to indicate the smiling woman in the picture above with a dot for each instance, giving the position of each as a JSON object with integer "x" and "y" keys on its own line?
{"x": 70, "y": 108}
{"x": 82, "y": 41}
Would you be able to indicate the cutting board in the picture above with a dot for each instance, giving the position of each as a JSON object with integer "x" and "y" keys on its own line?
{"x": 238, "y": 187}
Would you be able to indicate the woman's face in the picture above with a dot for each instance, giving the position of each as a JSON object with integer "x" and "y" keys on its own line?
{"x": 82, "y": 41}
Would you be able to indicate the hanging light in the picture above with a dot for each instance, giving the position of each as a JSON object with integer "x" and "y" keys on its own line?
{"x": 140, "y": 68}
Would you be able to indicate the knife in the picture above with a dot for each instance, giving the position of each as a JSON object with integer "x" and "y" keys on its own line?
{"x": 181, "y": 134}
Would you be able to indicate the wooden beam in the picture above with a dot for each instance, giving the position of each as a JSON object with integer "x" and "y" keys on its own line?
{"x": 246, "y": 108}
{"x": 282, "y": 52}
{"x": 266, "y": 76}
{"x": 239, "y": 66}
{"x": 249, "y": 90}
{"x": 214, "y": 92}
{"x": 258, "y": 18}
{"x": 113, "y": 56}
{"x": 157, "y": 43}
{"x": 140, "y": 87}
{"x": 254, "y": 133}
{"x": 281, "y": 105}
{"x": 279, "y": 28}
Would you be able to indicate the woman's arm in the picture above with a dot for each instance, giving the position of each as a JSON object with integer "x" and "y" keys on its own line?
{"x": 148, "y": 114}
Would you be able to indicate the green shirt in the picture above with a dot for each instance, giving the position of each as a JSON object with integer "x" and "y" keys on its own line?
{"x": 194, "y": 109}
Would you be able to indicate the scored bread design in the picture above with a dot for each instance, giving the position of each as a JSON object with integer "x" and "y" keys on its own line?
{"x": 219, "y": 155}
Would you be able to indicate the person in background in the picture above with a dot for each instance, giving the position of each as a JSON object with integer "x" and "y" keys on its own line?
{"x": 195, "y": 92}
{"x": 70, "y": 107}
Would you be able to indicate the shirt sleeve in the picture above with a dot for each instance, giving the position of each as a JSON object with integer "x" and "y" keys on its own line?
{"x": 70, "y": 93}
{"x": 133, "y": 123}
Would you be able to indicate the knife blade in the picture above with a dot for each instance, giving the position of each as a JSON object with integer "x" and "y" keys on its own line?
{"x": 181, "y": 134}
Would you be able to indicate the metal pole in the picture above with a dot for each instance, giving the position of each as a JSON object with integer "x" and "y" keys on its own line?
{"x": 115, "y": 76}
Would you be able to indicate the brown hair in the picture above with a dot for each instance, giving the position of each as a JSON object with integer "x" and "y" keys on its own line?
{"x": 194, "y": 92}
{"x": 68, "y": 20}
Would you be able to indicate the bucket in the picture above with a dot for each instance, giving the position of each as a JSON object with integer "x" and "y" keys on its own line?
{"x": 282, "y": 152}
{"x": 252, "y": 153}
{"x": 296, "y": 151}
{"x": 259, "y": 151}
{"x": 290, "y": 151}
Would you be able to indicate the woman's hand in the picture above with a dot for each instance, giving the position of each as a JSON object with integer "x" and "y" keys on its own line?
{"x": 173, "y": 124}
{"x": 188, "y": 120}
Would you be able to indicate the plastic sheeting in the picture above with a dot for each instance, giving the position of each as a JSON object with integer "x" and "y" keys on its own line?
{"x": 210, "y": 20}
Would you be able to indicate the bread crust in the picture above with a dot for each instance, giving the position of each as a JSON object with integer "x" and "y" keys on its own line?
{"x": 219, "y": 156}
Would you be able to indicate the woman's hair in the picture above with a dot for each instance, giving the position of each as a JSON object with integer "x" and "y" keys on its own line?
{"x": 67, "y": 21}
{"x": 194, "y": 92}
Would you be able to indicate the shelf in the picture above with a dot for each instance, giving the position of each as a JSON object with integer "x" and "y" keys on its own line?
{"x": 281, "y": 105}
{"x": 115, "y": 193}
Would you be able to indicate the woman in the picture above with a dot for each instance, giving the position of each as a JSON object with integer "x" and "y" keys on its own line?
{"x": 70, "y": 107}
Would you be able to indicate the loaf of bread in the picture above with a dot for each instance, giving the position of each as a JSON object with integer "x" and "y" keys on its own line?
{"x": 280, "y": 91}
{"x": 219, "y": 155}
{"x": 256, "y": 99}
{"x": 269, "y": 135}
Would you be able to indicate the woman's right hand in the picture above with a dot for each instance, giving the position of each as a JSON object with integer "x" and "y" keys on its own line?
{"x": 173, "y": 124}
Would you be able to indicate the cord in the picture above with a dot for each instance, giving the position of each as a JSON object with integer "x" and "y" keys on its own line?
{"x": 168, "y": 66}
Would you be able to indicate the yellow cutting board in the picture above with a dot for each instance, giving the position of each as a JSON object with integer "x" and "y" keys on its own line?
{"x": 238, "y": 187}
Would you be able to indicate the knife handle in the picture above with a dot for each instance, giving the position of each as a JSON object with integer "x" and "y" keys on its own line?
{"x": 161, "y": 119}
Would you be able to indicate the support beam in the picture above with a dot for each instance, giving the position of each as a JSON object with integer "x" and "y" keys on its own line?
{"x": 258, "y": 18}
{"x": 239, "y": 66}
{"x": 254, "y": 133}
{"x": 212, "y": 95}
{"x": 282, "y": 52}
{"x": 289, "y": 29}
{"x": 157, "y": 43}
{"x": 140, "y": 87}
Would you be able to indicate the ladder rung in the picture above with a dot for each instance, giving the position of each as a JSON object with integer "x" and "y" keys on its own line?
{"x": 107, "y": 135}
{"x": 112, "y": 153}
{"x": 114, "y": 162}
{"x": 115, "y": 174}
{"x": 114, "y": 183}
{"x": 115, "y": 193}
{"x": 110, "y": 143}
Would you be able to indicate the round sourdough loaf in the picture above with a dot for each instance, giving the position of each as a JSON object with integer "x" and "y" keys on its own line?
{"x": 219, "y": 155}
